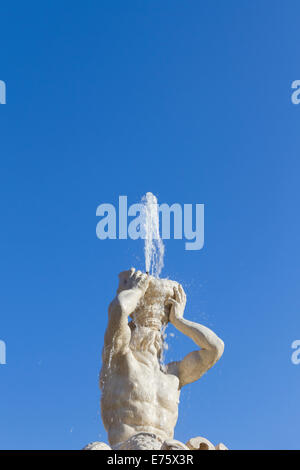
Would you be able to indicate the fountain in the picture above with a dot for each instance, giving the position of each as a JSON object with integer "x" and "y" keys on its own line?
{"x": 154, "y": 247}
{"x": 140, "y": 395}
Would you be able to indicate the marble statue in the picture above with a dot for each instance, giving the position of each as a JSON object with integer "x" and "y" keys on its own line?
{"x": 140, "y": 395}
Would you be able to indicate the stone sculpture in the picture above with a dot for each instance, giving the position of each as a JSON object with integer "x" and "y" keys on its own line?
{"x": 140, "y": 396}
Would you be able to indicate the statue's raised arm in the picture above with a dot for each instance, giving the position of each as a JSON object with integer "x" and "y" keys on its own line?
{"x": 195, "y": 364}
{"x": 132, "y": 287}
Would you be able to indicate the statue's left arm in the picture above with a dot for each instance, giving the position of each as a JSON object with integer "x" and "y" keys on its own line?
{"x": 195, "y": 364}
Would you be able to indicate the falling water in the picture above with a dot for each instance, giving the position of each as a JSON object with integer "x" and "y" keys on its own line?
{"x": 154, "y": 248}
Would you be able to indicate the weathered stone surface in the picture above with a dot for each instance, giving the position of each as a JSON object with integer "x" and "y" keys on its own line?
{"x": 97, "y": 446}
{"x": 221, "y": 446}
{"x": 200, "y": 443}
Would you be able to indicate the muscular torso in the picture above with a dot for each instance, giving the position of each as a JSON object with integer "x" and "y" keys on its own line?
{"x": 137, "y": 396}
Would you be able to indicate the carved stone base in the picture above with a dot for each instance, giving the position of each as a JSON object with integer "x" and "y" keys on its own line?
{"x": 148, "y": 441}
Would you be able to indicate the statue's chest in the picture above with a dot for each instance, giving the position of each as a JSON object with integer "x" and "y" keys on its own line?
{"x": 153, "y": 386}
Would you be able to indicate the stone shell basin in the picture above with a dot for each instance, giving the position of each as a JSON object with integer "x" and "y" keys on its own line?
{"x": 152, "y": 310}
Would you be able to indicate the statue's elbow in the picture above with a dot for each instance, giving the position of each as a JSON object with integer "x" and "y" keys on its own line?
{"x": 221, "y": 348}
{"x": 218, "y": 349}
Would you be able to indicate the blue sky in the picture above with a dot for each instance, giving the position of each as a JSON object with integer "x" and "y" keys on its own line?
{"x": 189, "y": 100}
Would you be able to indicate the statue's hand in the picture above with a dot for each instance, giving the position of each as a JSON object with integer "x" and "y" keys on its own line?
{"x": 177, "y": 304}
{"x": 133, "y": 279}
{"x": 132, "y": 287}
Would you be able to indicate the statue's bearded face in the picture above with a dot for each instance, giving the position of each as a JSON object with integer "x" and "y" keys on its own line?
{"x": 145, "y": 339}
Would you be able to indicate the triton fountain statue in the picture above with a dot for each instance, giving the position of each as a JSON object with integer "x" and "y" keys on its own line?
{"x": 140, "y": 395}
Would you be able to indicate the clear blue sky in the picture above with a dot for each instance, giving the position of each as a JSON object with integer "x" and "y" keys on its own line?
{"x": 189, "y": 100}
